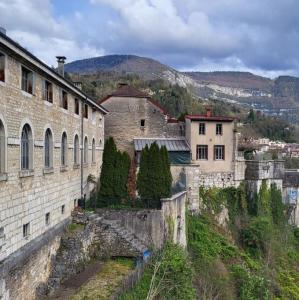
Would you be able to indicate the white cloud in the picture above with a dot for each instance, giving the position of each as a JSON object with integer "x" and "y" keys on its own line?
{"x": 31, "y": 24}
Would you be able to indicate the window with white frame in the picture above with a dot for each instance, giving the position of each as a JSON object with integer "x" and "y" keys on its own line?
{"x": 218, "y": 129}
{"x": 93, "y": 151}
{"x": 219, "y": 152}
{"x": 64, "y": 150}
{"x": 202, "y": 152}
{"x": 85, "y": 156}
{"x": 2, "y": 148}
{"x": 202, "y": 128}
{"x": 48, "y": 91}
{"x": 27, "y": 80}
{"x": 26, "y": 148}
{"x": 2, "y": 67}
{"x": 48, "y": 149}
{"x": 76, "y": 150}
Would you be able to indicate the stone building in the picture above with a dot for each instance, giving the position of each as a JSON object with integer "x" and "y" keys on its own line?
{"x": 203, "y": 150}
{"x": 133, "y": 114}
{"x": 51, "y": 139}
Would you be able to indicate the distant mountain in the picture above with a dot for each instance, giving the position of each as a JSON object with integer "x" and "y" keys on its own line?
{"x": 279, "y": 96}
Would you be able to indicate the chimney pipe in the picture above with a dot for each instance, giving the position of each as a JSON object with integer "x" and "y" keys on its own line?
{"x": 61, "y": 61}
{"x": 2, "y": 30}
{"x": 208, "y": 111}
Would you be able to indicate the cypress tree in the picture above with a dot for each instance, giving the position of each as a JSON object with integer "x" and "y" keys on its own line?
{"x": 166, "y": 175}
{"x": 277, "y": 207}
{"x": 143, "y": 175}
{"x": 106, "y": 184}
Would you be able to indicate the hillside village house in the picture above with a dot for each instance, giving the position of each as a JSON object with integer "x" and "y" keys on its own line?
{"x": 202, "y": 151}
{"x": 51, "y": 139}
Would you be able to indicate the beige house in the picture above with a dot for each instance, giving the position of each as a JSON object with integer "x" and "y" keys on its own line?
{"x": 51, "y": 139}
{"x": 213, "y": 142}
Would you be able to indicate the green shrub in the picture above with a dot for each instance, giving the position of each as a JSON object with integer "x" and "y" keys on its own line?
{"x": 250, "y": 286}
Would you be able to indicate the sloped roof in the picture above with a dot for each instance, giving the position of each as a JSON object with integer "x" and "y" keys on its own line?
{"x": 209, "y": 118}
{"x": 171, "y": 144}
{"x": 125, "y": 90}
{"x": 17, "y": 49}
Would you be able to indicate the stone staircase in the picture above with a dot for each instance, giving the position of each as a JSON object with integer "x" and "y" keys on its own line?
{"x": 120, "y": 231}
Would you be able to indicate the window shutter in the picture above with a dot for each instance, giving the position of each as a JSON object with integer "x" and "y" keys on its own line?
{"x": 60, "y": 97}
{"x": 207, "y": 149}
{"x": 44, "y": 90}
{"x": 223, "y": 152}
{"x": 214, "y": 152}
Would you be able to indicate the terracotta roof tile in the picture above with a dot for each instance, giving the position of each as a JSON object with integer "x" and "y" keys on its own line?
{"x": 209, "y": 118}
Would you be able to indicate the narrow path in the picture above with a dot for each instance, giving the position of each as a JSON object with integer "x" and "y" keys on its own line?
{"x": 70, "y": 286}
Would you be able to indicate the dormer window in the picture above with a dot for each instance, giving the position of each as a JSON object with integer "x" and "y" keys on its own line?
{"x": 218, "y": 129}
{"x": 2, "y": 67}
{"x": 48, "y": 91}
{"x": 64, "y": 100}
{"x": 27, "y": 80}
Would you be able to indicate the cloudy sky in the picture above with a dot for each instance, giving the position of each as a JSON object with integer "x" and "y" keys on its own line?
{"x": 260, "y": 36}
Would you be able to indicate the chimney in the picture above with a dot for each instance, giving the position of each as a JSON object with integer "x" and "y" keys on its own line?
{"x": 122, "y": 84}
{"x": 60, "y": 61}
{"x": 209, "y": 112}
{"x": 3, "y": 30}
{"x": 78, "y": 84}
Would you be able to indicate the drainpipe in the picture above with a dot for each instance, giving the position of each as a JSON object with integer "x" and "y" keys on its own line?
{"x": 82, "y": 148}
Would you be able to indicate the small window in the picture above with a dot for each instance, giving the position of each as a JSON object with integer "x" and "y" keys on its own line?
{"x": 47, "y": 219}
{"x": 64, "y": 150}
{"x": 62, "y": 209}
{"x": 142, "y": 123}
{"x": 202, "y": 128}
{"x": 202, "y": 152}
{"x": 100, "y": 121}
{"x": 219, "y": 153}
{"x": 75, "y": 202}
{"x": 77, "y": 106}
{"x": 27, "y": 80}
{"x": 48, "y": 91}
{"x": 2, "y": 67}
{"x": 218, "y": 129}
{"x": 26, "y": 228}
{"x": 64, "y": 100}
{"x": 85, "y": 111}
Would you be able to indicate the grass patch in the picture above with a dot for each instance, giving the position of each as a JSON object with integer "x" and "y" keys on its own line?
{"x": 75, "y": 227}
{"x": 104, "y": 283}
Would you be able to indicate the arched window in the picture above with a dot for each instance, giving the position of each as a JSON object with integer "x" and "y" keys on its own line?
{"x": 93, "y": 151}
{"x": 85, "y": 157}
{"x": 26, "y": 148}
{"x": 48, "y": 149}
{"x": 64, "y": 150}
{"x": 76, "y": 150}
{"x": 2, "y": 148}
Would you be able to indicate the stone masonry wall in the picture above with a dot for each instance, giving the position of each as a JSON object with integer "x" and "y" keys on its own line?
{"x": 27, "y": 199}
{"x": 123, "y": 121}
{"x": 24, "y": 271}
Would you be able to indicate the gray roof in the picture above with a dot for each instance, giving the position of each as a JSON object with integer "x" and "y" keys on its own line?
{"x": 172, "y": 144}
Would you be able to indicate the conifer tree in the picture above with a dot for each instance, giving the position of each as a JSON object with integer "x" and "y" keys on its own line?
{"x": 143, "y": 175}
{"x": 167, "y": 177}
{"x": 106, "y": 184}
{"x": 277, "y": 207}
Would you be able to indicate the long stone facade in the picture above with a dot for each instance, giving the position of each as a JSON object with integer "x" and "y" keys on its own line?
{"x": 51, "y": 140}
